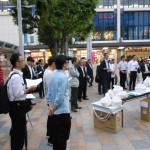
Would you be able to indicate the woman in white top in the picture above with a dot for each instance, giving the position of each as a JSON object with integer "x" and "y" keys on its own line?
{"x": 112, "y": 70}
{"x": 46, "y": 81}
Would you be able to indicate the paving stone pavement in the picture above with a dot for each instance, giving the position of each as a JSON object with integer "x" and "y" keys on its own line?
{"x": 135, "y": 134}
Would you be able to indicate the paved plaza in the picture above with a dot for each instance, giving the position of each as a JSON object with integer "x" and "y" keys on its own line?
{"x": 135, "y": 134}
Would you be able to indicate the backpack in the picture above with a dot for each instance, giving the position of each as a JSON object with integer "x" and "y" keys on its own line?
{"x": 4, "y": 100}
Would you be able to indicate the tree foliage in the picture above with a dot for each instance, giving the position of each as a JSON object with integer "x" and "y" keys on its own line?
{"x": 58, "y": 20}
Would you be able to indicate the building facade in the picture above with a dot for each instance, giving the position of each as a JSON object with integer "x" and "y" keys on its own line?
{"x": 120, "y": 26}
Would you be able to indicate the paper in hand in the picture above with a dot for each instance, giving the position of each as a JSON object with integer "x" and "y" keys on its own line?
{"x": 30, "y": 96}
{"x": 33, "y": 82}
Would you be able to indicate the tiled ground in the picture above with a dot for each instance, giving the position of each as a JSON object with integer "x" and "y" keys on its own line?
{"x": 134, "y": 136}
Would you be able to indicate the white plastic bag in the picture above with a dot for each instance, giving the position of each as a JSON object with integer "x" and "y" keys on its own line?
{"x": 117, "y": 89}
{"x": 116, "y": 102}
{"x": 146, "y": 82}
{"x": 122, "y": 94}
{"x": 140, "y": 88}
{"x": 106, "y": 101}
{"x": 111, "y": 94}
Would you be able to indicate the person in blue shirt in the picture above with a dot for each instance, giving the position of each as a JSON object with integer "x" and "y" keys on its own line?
{"x": 58, "y": 100}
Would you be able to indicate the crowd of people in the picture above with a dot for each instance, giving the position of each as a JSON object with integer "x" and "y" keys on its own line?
{"x": 61, "y": 82}
{"x": 106, "y": 73}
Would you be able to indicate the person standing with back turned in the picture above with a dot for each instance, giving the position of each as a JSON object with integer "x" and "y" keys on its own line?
{"x": 17, "y": 94}
{"x": 58, "y": 99}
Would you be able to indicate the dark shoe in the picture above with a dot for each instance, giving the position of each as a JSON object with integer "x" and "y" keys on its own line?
{"x": 41, "y": 97}
{"x": 74, "y": 110}
{"x": 79, "y": 100}
{"x": 78, "y": 107}
{"x": 89, "y": 85}
{"x": 125, "y": 88}
{"x": 130, "y": 90}
{"x": 86, "y": 98}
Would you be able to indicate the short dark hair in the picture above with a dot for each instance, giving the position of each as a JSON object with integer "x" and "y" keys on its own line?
{"x": 51, "y": 60}
{"x": 40, "y": 60}
{"x": 30, "y": 59}
{"x": 122, "y": 57}
{"x": 74, "y": 59}
{"x": 60, "y": 61}
{"x": 105, "y": 54}
{"x": 14, "y": 58}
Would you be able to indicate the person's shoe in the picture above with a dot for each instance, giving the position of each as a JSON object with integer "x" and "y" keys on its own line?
{"x": 125, "y": 88}
{"x": 130, "y": 90}
{"x": 86, "y": 98}
{"x": 89, "y": 85}
{"x": 78, "y": 107}
{"x": 41, "y": 97}
{"x": 79, "y": 100}
{"x": 74, "y": 110}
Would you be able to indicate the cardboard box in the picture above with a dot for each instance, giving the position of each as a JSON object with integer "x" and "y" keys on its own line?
{"x": 145, "y": 109}
{"x": 112, "y": 124}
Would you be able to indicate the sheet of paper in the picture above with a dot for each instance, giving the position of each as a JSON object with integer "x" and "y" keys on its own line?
{"x": 144, "y": 104}
{"x": 33, "y": 82}
{"x": 30, "y": 96}
{"x": 40, "y": 72}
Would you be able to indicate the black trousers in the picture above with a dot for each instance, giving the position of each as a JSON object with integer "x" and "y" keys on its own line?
{"x": 74, "y": 96}
{"x": 84, "y": 87}
{"x": 100, "y": 86}
{"x": 80, "y": 90}
{"x": 50, "y": 128}
{"x": 18, "y": 128}
{"x": 133, "y": 75}
{"x": 112, "y": 82}
{"x": 61, "y": 131}
{"x": 122, "y": 79}
{"x": 41, "y": 90}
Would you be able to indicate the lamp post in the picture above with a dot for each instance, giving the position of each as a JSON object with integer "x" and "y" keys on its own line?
{"x": 21, "y": 45}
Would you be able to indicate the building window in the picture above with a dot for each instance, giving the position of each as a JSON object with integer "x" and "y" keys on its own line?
{"x": 135, "y": 25}
{"x": 25, "y": 39}
{"x": 31, "y": 39}
{"x": 105, "y": 27}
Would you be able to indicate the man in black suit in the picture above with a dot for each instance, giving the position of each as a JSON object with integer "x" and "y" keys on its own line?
{"x": 28, "y": 73}
{"x": 40, "y": 70}
{"x": 82, "y": 80}
{"x": 90, "y": 72}
{"x": 105, "y": 73}
{"x": 145, "y": 69}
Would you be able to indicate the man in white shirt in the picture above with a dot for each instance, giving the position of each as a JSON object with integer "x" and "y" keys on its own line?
{"x": 18, "y": 107}
{"x": 47, "y": 77}
{"x": 122, "y": 66}
{"x": 132, "y": 69}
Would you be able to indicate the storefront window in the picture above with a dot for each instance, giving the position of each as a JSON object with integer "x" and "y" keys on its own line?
{"x": 146, "y": 32}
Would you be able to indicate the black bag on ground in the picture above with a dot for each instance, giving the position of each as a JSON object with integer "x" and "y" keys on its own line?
{"x": 4, "y": 100}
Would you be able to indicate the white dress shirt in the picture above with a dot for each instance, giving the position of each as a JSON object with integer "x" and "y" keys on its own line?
{"x": 133, "y": 65}
{"x": 123, "y": 65}
{"x": 16, "y": 87}
{"x": 146, "y": 68}
{"x": 82, "y": 71}
{"x": 113, "y": 68}
{"x": 107, "y": 65}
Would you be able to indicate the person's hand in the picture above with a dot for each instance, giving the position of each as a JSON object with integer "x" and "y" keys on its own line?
{"x": 32, "y": 88}
{"x": 51, "y": 112}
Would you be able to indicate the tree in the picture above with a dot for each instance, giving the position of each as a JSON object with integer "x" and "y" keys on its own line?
{"x": 58, "y": 20}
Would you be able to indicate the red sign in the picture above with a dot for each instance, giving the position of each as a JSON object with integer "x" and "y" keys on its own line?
{"x": 37, "y": 54}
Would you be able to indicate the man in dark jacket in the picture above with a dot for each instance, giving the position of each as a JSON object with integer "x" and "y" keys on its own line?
{"x": 90, "y": 72}
{"x": 40, "y": 70}
{"x": 145, "y": 69}
{"x": 105, "y": 73}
